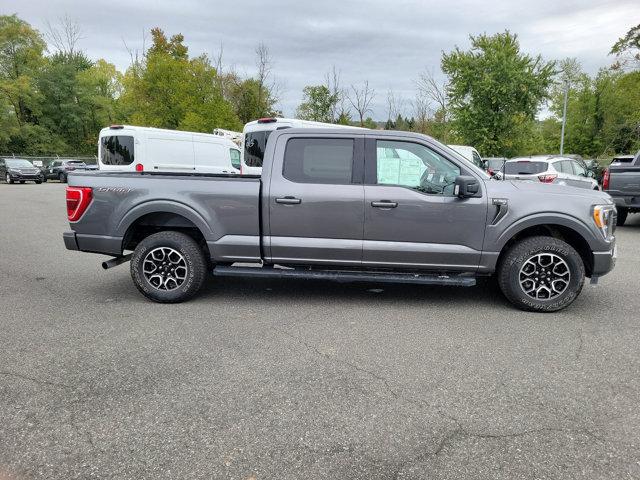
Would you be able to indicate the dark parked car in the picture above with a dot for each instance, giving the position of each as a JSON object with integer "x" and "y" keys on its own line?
{"x": 19, "y": 170}
{"x": 59, "y": 169}
{"x": 622, "y": 181}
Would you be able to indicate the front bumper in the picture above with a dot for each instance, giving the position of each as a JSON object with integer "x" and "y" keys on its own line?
{"x": 20, "y": 177}
{"x": 603, "y": 262}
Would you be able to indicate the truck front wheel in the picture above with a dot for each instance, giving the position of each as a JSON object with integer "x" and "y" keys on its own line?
{"x": 541, "y": 274}
{"x": 168, "y": 267}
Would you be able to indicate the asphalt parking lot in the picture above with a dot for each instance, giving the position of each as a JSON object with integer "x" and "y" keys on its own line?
{"x": 258, "y": 379}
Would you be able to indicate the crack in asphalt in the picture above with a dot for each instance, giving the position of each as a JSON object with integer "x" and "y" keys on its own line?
{"x": 458, "y": 432}
{"x": 82, "y": 433}
{"x": 35, "y": 380}
{"x": 580, "y": 344}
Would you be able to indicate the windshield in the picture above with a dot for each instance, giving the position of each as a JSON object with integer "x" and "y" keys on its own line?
{"x": 254, "y": 146}
{"x": 525, "y": 167}
{"x": 19, "y": 163}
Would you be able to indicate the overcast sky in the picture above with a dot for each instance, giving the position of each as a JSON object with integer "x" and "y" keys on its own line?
{"x": 387, "y": 42}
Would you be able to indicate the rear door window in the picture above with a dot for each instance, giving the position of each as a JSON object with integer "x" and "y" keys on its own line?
{"x": 578, "y": 169}
{"x": 117, "y": 150}
{"x": 525, "y": 167}
{"x": 319, "y": 160}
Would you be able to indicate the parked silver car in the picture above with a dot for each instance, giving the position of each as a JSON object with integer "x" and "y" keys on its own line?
{"x": 549, "y": 169}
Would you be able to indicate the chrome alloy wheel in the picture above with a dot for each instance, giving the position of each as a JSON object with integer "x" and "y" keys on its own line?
{"x": 544, "y": 276}
{"x": 164, "y": 268}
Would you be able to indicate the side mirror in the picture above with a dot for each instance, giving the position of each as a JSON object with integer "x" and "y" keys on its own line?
{"x": 465, "y": 186}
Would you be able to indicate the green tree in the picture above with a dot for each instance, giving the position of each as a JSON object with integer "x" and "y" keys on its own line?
{"x": 627, "y": 50}
{"x": 344, "y": 118}
{"x": 21, "y": 55}
{"x": 318, "y": 104}
{"x": 495, "y": 92}
{"x": 167, "y": 89}
{"x": 252, "y": 100}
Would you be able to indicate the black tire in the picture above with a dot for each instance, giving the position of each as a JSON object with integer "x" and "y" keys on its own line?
{"x": 194, "y": 269}
{"x": 22, "y": 182}
{"x": 38, "y": 182}
{"x": 44, "y": 179}
{"x": 622, "y": 216}
{"x": 512, "y": 271}
{"x": 62, "y": 177}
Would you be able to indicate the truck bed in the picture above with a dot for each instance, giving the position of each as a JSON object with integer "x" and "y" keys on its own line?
{"x": 225, "y": 208}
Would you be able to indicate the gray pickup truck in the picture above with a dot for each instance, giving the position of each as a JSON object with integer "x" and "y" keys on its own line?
{"x": 621, "y": 180}
{"x": 348, "y": 205}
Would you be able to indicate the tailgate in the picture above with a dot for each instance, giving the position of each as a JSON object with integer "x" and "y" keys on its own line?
{"x": 624, "y": 181}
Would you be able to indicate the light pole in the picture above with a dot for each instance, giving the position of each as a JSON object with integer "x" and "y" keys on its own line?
{"x": 564, "y": 117}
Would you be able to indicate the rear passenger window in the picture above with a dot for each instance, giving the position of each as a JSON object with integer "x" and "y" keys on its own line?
{"x": 319, "y": 160}
{"x": 116, "y": 150}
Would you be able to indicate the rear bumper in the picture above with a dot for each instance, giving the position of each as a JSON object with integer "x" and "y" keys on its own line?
{"x": 93, "y": 243}
{"x": 632, "y": 202}
{"x": 70, "y": 241}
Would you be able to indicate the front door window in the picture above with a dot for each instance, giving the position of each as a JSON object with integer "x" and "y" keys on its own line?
{"x": 414, "y": 166}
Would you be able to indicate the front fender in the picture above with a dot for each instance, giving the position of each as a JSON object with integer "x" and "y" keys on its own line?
{"x": 547, "y": 219}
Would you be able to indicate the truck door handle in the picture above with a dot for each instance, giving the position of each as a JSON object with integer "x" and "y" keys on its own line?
{"x": 289, "y": 200}
{"x": 384, "y": 204}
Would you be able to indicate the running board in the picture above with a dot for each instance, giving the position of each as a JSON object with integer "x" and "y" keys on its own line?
{"x": 345, "y": 275}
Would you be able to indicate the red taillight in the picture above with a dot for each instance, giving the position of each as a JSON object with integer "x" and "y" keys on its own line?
{"x": 547, "y": 178}
{"x": 78, "y": 199}
{"x": 605, "y": 179}
{"x": 267, "y": 120}
{"x": 139, "y": 167}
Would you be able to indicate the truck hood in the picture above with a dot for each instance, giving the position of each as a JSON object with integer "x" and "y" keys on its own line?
{"x": 515, "y": 189}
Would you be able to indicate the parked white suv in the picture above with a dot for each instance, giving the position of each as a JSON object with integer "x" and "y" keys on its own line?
{"x": 549, "y": 169}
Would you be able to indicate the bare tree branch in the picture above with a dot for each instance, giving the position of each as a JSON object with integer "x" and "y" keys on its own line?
{"x": 332, "y": 81}
{"x": 65, "y": 36}
{"x": 395, "y": 105}
{"x": 434, "y": 92}
{"x": 360, "y": 99}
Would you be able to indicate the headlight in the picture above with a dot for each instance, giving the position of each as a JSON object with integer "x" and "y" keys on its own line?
{"x": 602, "y": 217}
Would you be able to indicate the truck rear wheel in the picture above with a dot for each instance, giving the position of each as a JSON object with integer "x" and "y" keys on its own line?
{"x": 168, "y": 267}
{"x": 622, "y": 216}
{"x": 542, "y": 274}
